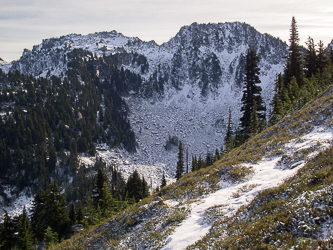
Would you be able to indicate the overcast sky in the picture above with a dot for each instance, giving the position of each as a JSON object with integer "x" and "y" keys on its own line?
{"x": 24, "y": 23}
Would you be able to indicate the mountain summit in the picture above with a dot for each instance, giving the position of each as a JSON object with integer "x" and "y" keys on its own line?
{"x": 192, "y": 78}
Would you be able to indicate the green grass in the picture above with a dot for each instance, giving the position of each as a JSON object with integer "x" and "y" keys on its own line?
{"x": 281, "y": 217}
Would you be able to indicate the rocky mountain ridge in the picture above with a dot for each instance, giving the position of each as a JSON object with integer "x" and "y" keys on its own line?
{"x": 188, "y": 84}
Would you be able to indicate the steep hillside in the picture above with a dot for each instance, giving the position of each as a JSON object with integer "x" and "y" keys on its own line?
{"x": 48, "y": 125}
{"x": 249, "y": 188}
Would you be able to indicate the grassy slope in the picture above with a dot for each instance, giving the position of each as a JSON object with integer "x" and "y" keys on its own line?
{"x": 117, "y": 231}
{"x": 298, "y": 213}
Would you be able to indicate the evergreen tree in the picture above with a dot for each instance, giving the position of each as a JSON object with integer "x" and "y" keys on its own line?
{"x": 277, "y": 104}
{"x": 251, "y": 93}
{"x": 134, "y": 186}
{"x": 186, "y": 160}
{"x": 99, "y": 184}
{"x": 145, "y": 190}
{"x": 310, "y": 58}
{"x": 331, "y": 55}
{"x": 180, "y": 162}
{"x": 293, "y": 90}
{"x": 52, "y": 156}
{"x": 163, "y": 183}
{"x": 209, "y": 159}
{"x": 201, "y": 163}
{"x": 24, "y": 237}
{"x": 194, "y": 163}
{"x": 217, "y": 155}
{"x": 322, "y": 60}
{"x": 72, "y": 214}
{"x": 49, "y": 209}
{"x": 50, "y": 237}
{"x": 228, "y": 139}
{"x": 80, "y": 213}
{"x": 294, "y": 61}
{"x": 107, "y": 202}
{"x": 7, "y": 232}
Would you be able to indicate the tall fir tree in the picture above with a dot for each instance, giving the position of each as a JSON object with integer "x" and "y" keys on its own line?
{"x": 251, "y": 93}
{"x": 194, "y": 163}
{"x": 186, "y": 160}
{"x": 310, "y": 58}
{"x": 107, "y": 201}
{"x": 24, "y": 237}
{"x": 322, "y": 60}
{"x": 294, "y": 61}
{"x": 99, "y": 184}
{"x": 180, "y": 162}
{"x": 145, "y": 189}
{"x": 79, "y": 213}
{"x": 228, "y": 139}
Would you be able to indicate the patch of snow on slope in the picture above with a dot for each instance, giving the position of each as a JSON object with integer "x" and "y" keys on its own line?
{"x": 266, "y": 175}
{"x": 16, "y": 208}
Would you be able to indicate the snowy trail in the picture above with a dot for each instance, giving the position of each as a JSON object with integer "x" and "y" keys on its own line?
{"x": 193, "y": 228}
{"x": 267, "y": 174}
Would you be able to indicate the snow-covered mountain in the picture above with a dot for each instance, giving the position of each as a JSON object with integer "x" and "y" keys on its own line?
{"x": 188, "y": 85}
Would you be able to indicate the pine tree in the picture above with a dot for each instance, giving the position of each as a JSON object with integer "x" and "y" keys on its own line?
{"x": 228, "y": 139}
{"x": 50, "y": 237}
{"x": 72, "y": 214}
{"x": 209, "y": 159}
{"x": 294, "y": 61}
{"x": 7, "y": 232}
{"x": 310, "y": 58}
{"x": 180, "y": 163}
{"x": 163, "y": 183}
{"x": 251, "y": 93}
{"x": 186, "y": 160}
{"x": 331, "y": 55}
{"x": 80, "y": 213}
{"x": 293, "y": 91}
{"x": 201, "y": 163}
{"x": 24, "y": 236}
{"x": 277, "y": 104}
{"x": 49, "y": 209}
{"x": 134, "y": 186}
{"x": 99, "y": 184}
{"x": 322, "y": 59}
{"x": 107, "y": 201}
{"x": 52, "y": 156}
{"x": 217, "y": 155}
{"x": 145, "y": 190}
{"x": 194, "y": 163}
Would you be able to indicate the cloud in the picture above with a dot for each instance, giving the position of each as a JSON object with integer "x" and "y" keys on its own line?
{"x": 32, "y": 20}
{"x": 19, "y": 15}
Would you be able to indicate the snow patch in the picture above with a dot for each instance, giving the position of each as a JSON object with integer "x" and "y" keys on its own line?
{"x": 266, "y": 175}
